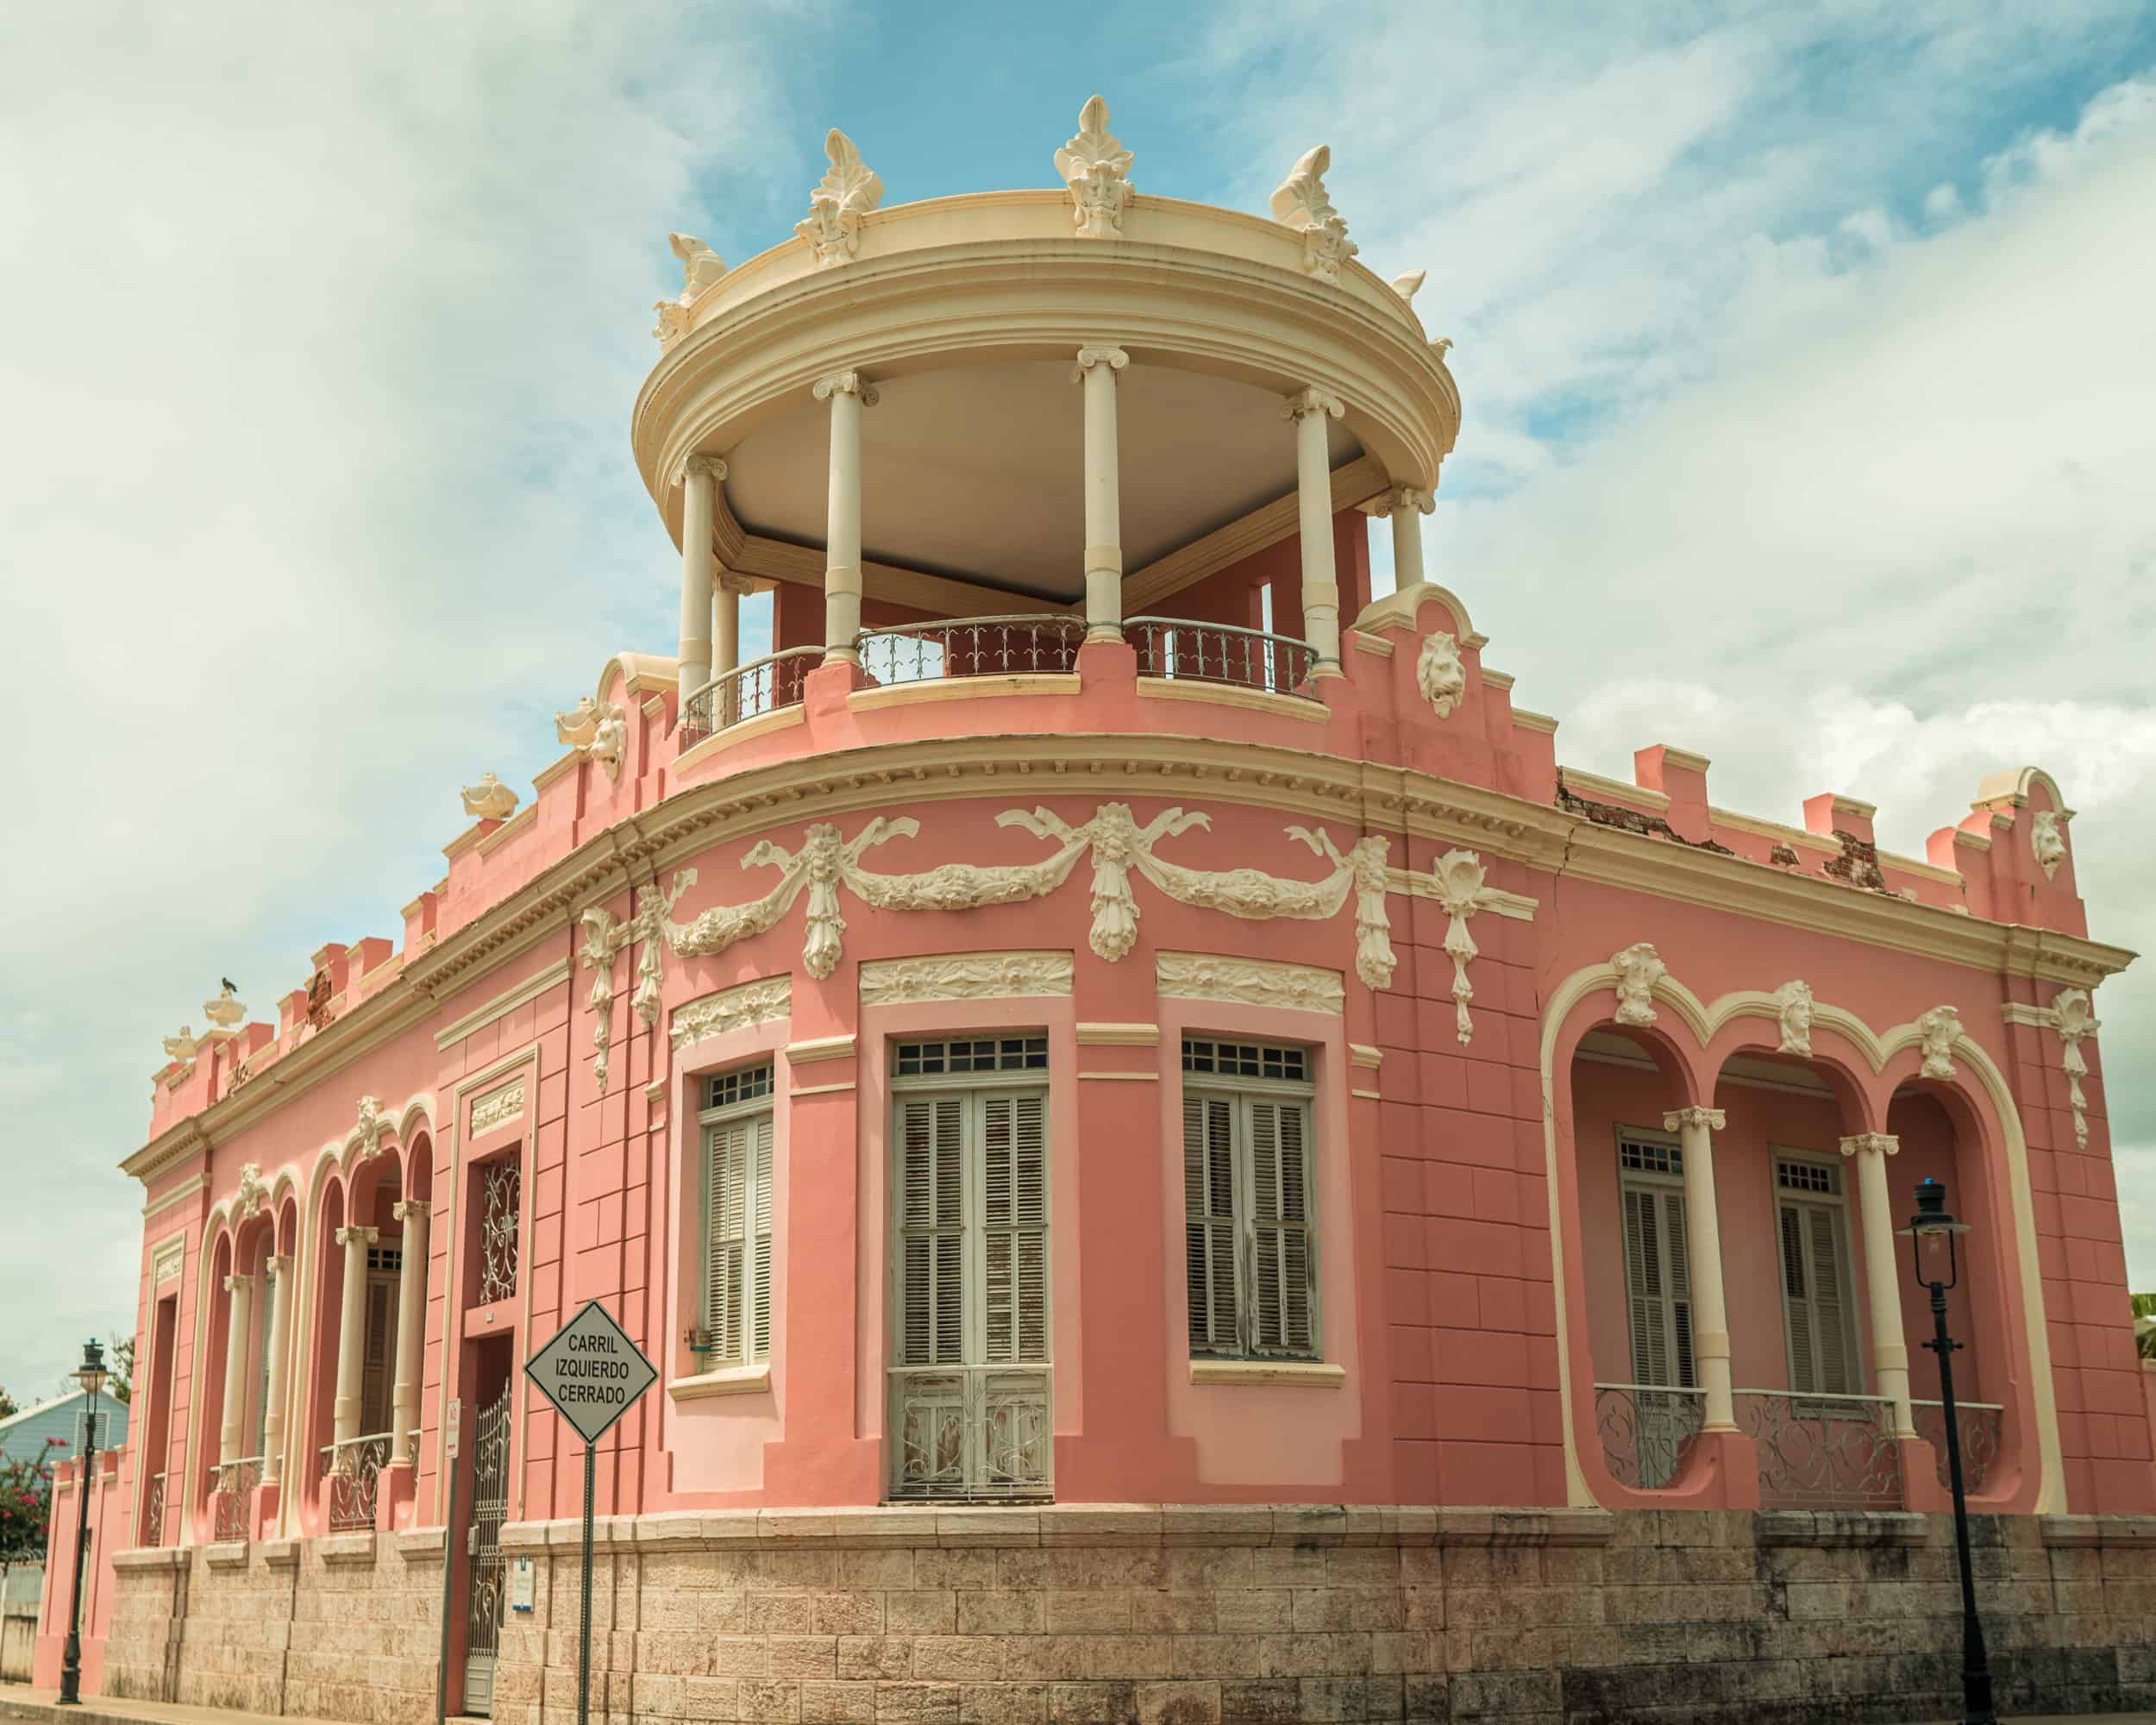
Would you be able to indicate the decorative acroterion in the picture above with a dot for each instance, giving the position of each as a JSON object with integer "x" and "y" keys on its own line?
{"x": 847, "y": 191}
{"x": 180, "y": 1049}
{"x": 1940, "y": 1028}
{"x": 1793, "y": 1011}
{"x": 1439, "y": 674}
{"x": 700, "y": 267}
{"x": 598, "y": 730}
{"x": 1097, "y": 169}
{"x": 2074, "y": 1017}
{"x": 2047, "y": 839}
{"x": 226, "y": 1013}
{"x": 1302, "y": 203}
{"x": 1409, "y": 285}
{"x": 489, "y": 799}
{"x": 1639, "y": 968}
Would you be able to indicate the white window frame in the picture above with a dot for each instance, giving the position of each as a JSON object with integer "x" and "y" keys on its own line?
{"x": 757, "y": 1207}
{"x": 1681, "y": 1344}
{"x": 974, "y": 1089}
{"x": 1239, "y": 1091}
{"x": 1835, "y": 1203}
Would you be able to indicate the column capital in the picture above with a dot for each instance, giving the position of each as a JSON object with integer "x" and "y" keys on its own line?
{"x": 361, "y": 1236}
{"x": 408, "y": 1209}
{"x": 1713, "y": 1120}
{"x": 1099, "y": 354}
{"x": 233, "y": 1285}
{"x": 1880, "y": 1144}
{"x": 712, "y": 467}
{"x": 741, "y": 586}
{"x": 277, "y": 1268}
{"x": 845, "y": 383}
{"x": 1312, "y": 399}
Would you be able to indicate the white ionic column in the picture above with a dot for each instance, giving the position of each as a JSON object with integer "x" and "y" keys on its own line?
{"x": 1407, "y": 506}
{"x": 1097, "y": 366}
{"x": 412, "y": 1325}
{"x": 848, "y": 393}
{"x": 700, "y": 476}
{"x": 1882, "y": 1273}
{"x": 1695, "y": 1128}
{"x": 239, "y": 1292}
{"x": 1309, "y": 408}
{"x": 279, "y": 1290}
{"x": 726, "y": 624}
{"x": 344, "y": 1423}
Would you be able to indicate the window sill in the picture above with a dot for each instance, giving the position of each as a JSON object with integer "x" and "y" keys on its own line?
{"x": 727, "y": 1380}
{"x": 1292, "y": 1374}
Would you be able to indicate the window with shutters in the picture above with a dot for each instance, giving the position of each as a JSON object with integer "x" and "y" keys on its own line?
{"x": 969, "y": 1377}
{"x": 1818, "y": 1303}
{"x": 1657, "y": 1282}
{"x": 1249, "y": 1238}
{"x": 733, "y": 1321}
{"x": 268, "y": 1290}
{"x": 380, "y": 1358}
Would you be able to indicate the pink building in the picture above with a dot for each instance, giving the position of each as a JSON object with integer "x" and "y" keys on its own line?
{"x": 1173, "y": 1163}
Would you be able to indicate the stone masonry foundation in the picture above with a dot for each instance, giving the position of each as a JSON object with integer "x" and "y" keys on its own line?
{"x": 1082, "y": 1615}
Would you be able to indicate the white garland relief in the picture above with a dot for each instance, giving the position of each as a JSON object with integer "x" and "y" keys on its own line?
{"x": 846, "y": 193}
{"x": 2074, "y": 1017}
{"x": 964, "y": 976}
{"x": 603, "y": 937}
{"x": 1247, "y": 982}
{"x": 497, "y": 1107}
{"x": 1097, "y": 169}
{"x": 1940, "y": 1029}
{"x": 742, "y": 1007}
{"x": 1638, "y": 966}
{"x": 1439, "y": 674}
{"x": 1461, "y": 890}
{"x": 2048, "y": 838}
{"x": 1793, "y": 1008}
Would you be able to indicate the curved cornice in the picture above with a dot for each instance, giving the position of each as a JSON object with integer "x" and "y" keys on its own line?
{"x": 1380, "y": 797}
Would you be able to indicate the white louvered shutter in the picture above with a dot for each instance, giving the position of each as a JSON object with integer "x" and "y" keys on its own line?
{"x": 272, "y": 1289}
{"x": 932, "y": 1232}
{"x": 380, "y": 1348}
{"x": 1657, "y": 1286}
{"x": 1209, "y": 1222}
{"x": 1280, "y": 1228}
{"x": 1821, "y": 1351}
{"x": 1014, "y": 1229}
{"x": 725, "y": 1233}
{"x": 760, "y": 1244}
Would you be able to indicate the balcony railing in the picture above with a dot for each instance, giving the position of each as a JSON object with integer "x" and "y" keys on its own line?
{"x": 747, "y": 691}
{"x": 230, "y": 1517}
{"x": 351, "y": 1472}
{"x": 1647, "y": 1432}
{"x": 1823, "y": 1451}
{"x": 1977, "y": 1424}
{"x": 1176, "y": 647}
{"x": 153, "y": 1513}
{"x": 973, "y": 647}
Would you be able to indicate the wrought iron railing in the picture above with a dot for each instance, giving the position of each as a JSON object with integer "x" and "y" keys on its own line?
{"x": 971, "y": 1433}
{"x": 1647, "y": 1432}
{"x": 1823, "y": 1451}
{"x": 230, "y": 1517}
{"x": 153, "y": 1513}
{"x": 972, "y": 646}
{"x": 1977, "y": 1424}
{"x": 747, "y": 691}
{"x": 1176, "y": 647}
{"x": 352, "y": 1474}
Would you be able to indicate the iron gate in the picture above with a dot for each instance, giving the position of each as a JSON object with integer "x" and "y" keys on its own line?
{"x": 490, "y": 1503}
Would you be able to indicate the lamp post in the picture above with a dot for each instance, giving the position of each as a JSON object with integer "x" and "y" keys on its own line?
{"x": 92, "y": 1376}
{"x": 1938, "y": 1261}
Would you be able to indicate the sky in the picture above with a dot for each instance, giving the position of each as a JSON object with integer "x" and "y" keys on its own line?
{"x": 1806, "y": 355}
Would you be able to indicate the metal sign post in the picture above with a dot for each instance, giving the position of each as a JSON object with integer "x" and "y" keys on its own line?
{"x": 594, "y": 1374}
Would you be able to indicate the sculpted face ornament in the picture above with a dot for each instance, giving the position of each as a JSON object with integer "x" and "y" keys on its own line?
{"x": 1097, "y": 169}
{"x": 2048, "y": 838}
{"x": 597, "y": 731}
{"x": 1795, "y": 1002}
{"x": 1638, "y": 966}
{"x": 1439, "y": 674}
{"x": 1940, "y": 1029}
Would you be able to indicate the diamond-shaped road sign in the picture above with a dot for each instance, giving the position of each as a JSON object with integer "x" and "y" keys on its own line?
{"x": 591, "y": 1371}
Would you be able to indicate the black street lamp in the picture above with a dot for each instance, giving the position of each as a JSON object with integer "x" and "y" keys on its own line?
{"x": 1931, "y": 1232}
{"x": 92, "y": 1376}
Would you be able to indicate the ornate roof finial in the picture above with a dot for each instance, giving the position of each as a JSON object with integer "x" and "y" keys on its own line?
{"x": 1406, "y": 286}
{"x": 1097, "y": 169}
{"x": 227, "y": 1012}
{"x": 180, "y": 1049}
{"x": 846, "y": 193}
{"x": 489, "y": 799}
{"x": 1302, "y": 203}
{"x": 700, "y": 265}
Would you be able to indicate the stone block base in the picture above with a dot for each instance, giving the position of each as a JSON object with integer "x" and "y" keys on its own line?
{"x": 1151, "y": 1615}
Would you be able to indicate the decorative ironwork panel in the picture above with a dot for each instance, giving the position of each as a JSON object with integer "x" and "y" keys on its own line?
{"x": 501, "y": 1201}
{"x": 1977, "y": 1424}
{"x": 971, "y": 1433}
{"x": 973, "y": 647}
{"x": 1823, "y": 1451}
{"x": 153, "y": 1513}
{"x": 747, "y": 691}
{"x": 353, "y": 1472}
{"x": 230, "y": 1516}
{"x": 1178, "y": 648}
{"x": 1648, "y": 1432}
{"x": 490, "y": 1507}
